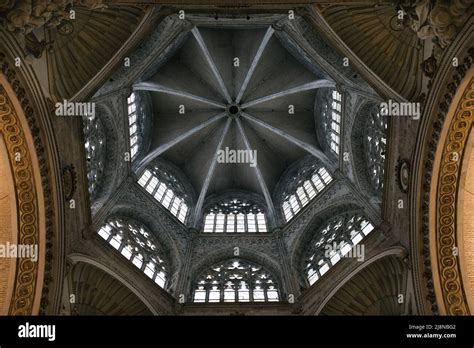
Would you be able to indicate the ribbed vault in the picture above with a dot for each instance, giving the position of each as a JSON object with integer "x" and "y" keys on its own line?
{"x": 224, "y": 90}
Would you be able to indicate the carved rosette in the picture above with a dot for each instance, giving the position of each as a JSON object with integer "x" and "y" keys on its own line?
{"x": 448, "y": 263}
{"x": 26, "y": 195}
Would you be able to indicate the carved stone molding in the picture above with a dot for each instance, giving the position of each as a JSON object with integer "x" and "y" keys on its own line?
{"x": 439, "y": 21}
{"x": 70, "y": 181}
{"x": 26, "y": 278}
{"x": 32, "y": 118}
{"x": 428, "y": 167}
{"x": 24, "y": 16}
{"x": 402, "y": 170}
{"x": 452, "y": 291}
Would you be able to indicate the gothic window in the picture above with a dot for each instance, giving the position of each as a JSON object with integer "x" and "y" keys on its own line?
{"x": 235, "y": 215}
{"x": 376, "y": 144}
{"x": 133, "y": 124}
{"x": 166, "y": 189}
{"x": 332, "y": 111}
{"x": 136, "y": 244}
{"x": 333, "y": 242}
{"x": 236, "y": 281}
{"x": 305, "y": 186}
{"x": 95, "y": 152}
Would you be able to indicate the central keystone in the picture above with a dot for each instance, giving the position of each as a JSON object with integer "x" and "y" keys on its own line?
{"x": 233, "y": 110}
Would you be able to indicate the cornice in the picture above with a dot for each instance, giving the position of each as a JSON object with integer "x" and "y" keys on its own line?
{"x": 443, "y": 87}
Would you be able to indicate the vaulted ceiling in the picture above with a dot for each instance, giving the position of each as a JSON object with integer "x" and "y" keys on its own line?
{"x": 82, "y": 46}
{"x": 378, "y": 37}
{"x": 235, "y": 88}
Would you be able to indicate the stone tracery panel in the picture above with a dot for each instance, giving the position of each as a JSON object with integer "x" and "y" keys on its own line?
{"x": 376, "y": 147}
{"x": 138, "y": 245}
{"x": 235, "y": 280}
{"x": 235, "y": 215}
{"x": 95, "y": 146}
{"x": 332, "y": 242}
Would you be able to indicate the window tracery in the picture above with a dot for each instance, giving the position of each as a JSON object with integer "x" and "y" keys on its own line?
{"x": 235, "y": 215}
{"x": 333, "y": 242}
{"x": 136, "y": 244}
{"x": 95, "y": 147}
{"x": 305, "y": 186}
{"x": 332, "y": 111}
{"x": 133, "y": 124}
{"x": 236, "y": 281}
{"x": 166, "y": 189}
{"x": 375, "y": 146}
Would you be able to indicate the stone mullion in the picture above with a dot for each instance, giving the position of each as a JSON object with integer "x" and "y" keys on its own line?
{"x": 322, "y": 180}
{"x": 291, "y": 207}
{"x": 207, "y": 288}
{"x": 221, "y": 287}
{"x": 183, "y": 286}
{"x": 298, "y": 200}
{"x": 171, "y": 203}
{"x": 164, "y": 195}
{"x": 265, "y": 289}
{"x": 235, "y": 285}
{"x": 307, "y": 193}
{"x": 289, "y": 279}
{"x": 179, "y": 208}
{"x": 250, "y": 283}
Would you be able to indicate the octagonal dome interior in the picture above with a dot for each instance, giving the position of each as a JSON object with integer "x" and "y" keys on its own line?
{"x": 233, "y": 89}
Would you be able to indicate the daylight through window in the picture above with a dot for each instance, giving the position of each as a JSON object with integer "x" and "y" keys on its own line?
{"x": 236, "y": 281}
{"x": 132, "y": 123}
{"x": 307, "y": 189}
{"x": 164, "y": 188}
{"x": 376, "y": 144}
{"x": 235, "y": 215}
{"x": 333, "y": 242}
{"x": 332, "y": 111}
{"x": 137, "y": 245}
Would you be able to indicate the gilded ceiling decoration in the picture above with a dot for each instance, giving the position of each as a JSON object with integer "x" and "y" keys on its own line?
{"x": 26, "y": 195}
{"x": 23, "y": 16}
{"x": 438, "y": 20}
{"x": 453, "y": 294}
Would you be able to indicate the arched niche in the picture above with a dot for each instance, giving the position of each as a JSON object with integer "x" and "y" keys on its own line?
{"x": 86, "y": 276}
{"x": 374, "y": 288}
